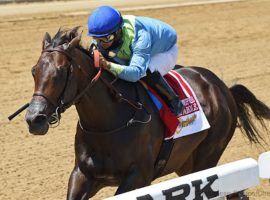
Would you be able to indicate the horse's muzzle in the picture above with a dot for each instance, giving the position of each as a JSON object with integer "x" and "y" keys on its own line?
{"x": 36, "y": 119}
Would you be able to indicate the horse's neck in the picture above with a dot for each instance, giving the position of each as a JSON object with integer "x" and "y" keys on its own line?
{"x": 99, "y": 110}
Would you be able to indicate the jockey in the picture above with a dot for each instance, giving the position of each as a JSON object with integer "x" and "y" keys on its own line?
{"x": 136, "y": 47}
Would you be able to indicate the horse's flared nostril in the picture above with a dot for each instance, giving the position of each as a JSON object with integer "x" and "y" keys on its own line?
{"x": 39, "y": 119}
{"x": 29, "y": 119}
{"x": 37, "y": 124}
{"x": 35, "y": 113}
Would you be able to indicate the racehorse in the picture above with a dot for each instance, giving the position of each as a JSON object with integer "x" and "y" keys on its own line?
{"x": 119, "y": 132}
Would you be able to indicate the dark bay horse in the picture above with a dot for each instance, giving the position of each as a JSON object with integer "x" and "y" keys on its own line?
{"x": 119, "y": 132}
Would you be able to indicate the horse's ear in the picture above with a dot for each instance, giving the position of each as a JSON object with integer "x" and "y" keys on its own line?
{"x": 46, "y": 40}
{"x": 74, "y": 42}
{"x": 73, "y": 32}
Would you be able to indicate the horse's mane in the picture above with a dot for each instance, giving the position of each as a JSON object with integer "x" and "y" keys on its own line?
{"x": 65, "y": 35}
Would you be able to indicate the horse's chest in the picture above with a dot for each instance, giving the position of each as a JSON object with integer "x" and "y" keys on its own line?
{"x": 101, "y": 167}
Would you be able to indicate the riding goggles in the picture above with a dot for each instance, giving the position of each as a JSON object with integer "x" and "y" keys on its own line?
{"x": 106, "y": 39}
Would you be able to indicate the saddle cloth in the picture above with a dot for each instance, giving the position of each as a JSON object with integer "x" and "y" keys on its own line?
{"x": 191, "y": 120}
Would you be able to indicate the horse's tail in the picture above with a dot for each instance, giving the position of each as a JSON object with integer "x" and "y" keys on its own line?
{"x": 244, "y": 98}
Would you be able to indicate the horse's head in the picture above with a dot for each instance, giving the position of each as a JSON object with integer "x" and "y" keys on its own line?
{"x": 54, "y": 74}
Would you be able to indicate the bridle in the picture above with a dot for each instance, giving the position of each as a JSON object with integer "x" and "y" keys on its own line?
{"x": 60, "y": 106}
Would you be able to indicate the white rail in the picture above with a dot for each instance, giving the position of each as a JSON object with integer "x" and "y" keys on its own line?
{"x": 213, "y": 183}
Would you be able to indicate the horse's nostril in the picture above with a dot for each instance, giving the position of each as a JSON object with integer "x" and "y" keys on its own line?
{"x": 39, "y": 119}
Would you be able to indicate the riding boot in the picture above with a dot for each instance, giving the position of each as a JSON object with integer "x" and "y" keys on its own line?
{"x": 158, "y": 83}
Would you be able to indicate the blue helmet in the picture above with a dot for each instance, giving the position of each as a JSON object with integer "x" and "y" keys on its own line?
{"x": 103, "y": 21}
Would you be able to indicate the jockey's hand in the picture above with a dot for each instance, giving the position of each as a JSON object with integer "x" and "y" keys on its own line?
{"x": 103, "y": 62}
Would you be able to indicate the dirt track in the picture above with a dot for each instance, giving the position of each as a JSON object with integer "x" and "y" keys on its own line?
{"x": 232, "y": 39}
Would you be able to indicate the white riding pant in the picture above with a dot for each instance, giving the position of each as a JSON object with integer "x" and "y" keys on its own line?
{"x": 164, "y": 62}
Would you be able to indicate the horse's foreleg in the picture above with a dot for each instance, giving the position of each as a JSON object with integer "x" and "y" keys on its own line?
{"x": 80, "y": 187}
{"x": 136, "y": 178}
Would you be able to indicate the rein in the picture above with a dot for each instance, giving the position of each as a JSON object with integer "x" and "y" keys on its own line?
{"x": 134, "y": 104}
{"x": 61, "y": 106}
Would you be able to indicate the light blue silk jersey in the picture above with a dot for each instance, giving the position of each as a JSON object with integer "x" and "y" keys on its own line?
{"x": 150, "y": 37}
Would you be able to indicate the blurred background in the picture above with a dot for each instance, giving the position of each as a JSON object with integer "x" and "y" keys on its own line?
{"x": 231, "y": 38}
